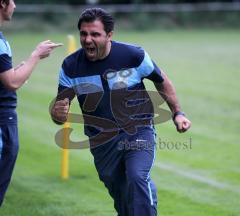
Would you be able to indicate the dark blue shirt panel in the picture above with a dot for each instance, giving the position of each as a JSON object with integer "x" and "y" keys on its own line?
{"x": 94, "y": 82}
{"x": 5, "y": 63}
{"x": 121, "y": 56}
{"x": 8, "y": 98}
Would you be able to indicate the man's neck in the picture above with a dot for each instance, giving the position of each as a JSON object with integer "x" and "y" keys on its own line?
{"x": 109, "y": 46}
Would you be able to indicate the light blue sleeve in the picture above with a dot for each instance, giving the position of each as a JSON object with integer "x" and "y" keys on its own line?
{"x": 146, "y": 67}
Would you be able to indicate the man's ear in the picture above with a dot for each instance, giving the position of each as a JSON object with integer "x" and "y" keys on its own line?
{"x": 3, "y": 4}
{"x": 109, "y": 35}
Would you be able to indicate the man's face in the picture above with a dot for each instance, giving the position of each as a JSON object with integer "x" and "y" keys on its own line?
{"x": 8, "y": 10}
{"x": 94, "y": 40}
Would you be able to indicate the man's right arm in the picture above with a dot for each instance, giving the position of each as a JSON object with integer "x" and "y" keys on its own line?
{"x": 14, "y": 78}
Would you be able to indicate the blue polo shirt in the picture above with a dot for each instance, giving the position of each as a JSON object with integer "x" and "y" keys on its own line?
{"x": 112, "y": 89}
{"x": 8, "y": 98}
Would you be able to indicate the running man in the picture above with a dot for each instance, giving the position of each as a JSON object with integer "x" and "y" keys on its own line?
{"x": 107, "y": 78}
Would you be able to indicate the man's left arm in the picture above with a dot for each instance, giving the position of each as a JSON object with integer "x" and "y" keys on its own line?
{"x": 168, "y": 93}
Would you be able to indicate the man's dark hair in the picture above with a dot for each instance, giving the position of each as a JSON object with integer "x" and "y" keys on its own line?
{"x": 92, "y": 14}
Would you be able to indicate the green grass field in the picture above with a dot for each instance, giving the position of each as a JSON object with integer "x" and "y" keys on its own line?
{"x": 201, "y": 181}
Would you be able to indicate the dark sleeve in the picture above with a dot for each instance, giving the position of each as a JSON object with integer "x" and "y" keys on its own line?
{"x": 148, "y": 69}
{"x": 5, "y": 62}
{"x": 155, "y": 75}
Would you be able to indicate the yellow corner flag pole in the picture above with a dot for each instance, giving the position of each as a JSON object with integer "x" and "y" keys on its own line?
{"x": 65, "y": 153}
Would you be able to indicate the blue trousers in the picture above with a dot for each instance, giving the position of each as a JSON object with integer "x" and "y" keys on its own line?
{"x": 124, "y": 166}
{"x": 8, "y": 155}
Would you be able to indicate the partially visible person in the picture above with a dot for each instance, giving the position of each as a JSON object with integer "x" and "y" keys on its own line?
{"x": 10, "y": 80}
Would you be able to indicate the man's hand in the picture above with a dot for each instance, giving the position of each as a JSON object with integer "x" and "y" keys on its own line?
{"x": 44, "y": 49}
{"x": 60, "y": 110}
{"x": 182, "y": 123}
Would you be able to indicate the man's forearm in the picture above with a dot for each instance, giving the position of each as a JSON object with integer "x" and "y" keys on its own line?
{"x": 23, "y": 71}
{"x": 168, "y": 93}
{"x": 16, "y": 77}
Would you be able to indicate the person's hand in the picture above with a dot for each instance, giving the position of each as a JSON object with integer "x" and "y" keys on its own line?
{"x": 182, "y": 123}
{"x": 44, "y": 49}
{"x": 60, "y": 110}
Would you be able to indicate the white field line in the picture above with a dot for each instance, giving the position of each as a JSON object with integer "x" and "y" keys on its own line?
{"x": 196, "y": 177}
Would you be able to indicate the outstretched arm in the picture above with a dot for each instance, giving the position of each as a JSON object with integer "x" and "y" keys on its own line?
{"x": 168, "y": 93}
{"x": 16, "y": 77}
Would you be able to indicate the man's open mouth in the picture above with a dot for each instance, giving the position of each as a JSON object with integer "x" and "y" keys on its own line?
{"x": 90, "y": 50}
